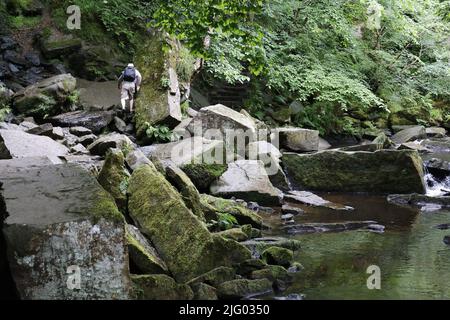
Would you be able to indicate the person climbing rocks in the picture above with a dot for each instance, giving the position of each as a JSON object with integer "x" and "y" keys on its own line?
{"x": 129, "y": 84}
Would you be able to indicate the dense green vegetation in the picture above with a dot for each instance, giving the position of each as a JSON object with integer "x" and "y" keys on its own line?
{"x": 340, "y": 66}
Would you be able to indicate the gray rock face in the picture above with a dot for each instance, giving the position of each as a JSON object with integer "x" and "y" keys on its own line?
{"x": 96, "y": 121}
{"x": 80, "y": 131}
{"x": 57, "y": 237}
{"x": 419, "y": 200}
{"x": 45, "y": 129}
{"x": 270, "y": 156}
{"x": 383, "y": 171}
{"x": 221, "y": 118}
{"x": 247, "y": 180}
{"x": 310, "y": 199}
{"x": 19, "y": 144}
{"x": 298, "y": 139}
{"x": 192, "y": 150}
{"x": 136, "y": 158}
{"x": 143, "y": 254}
{"x": 113, "y": 140}
{"x": 46, "y": 96}
{"x": 436, "y": 132}
{"x": 438, "y": 167}
{"x": 410, "y": 134}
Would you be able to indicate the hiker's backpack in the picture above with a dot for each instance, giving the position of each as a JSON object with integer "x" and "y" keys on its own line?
{"x": 129, "y": 75}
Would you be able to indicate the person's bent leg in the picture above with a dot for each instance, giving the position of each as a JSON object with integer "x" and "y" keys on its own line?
{"x": 124, "y": 103}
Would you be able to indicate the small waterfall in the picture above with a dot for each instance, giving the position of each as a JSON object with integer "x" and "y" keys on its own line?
{"x": 436, "y": 187}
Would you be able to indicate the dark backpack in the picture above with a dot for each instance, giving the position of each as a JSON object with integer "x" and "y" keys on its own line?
{"x": 129, "y": 75}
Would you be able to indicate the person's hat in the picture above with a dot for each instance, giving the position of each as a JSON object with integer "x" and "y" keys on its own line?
{"x": 130, "y": 65}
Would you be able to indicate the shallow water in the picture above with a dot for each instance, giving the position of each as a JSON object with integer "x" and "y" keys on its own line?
{"x": 411, "y": 254}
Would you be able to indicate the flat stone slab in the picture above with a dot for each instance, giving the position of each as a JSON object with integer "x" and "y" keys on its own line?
{"x": 311, "y": 199}
{"x": 19, "y": 144}
{"x": 330, "y": 227}
{"x": 247, "y": 180}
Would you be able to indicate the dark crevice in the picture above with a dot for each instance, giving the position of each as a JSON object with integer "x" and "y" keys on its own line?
{"x": 7, "y": 287}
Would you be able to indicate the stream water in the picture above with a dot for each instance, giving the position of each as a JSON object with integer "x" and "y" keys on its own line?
{"x": 412, "y": 257}
{"x": 411, "y": 254}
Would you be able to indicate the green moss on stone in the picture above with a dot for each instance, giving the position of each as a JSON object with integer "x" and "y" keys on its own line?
{"x": 114, "y": 177}
{"x": 203, "y": 174}
{"x": 183, "y": 242}
{"x": 159, "y": 287}
{"x": 278, "y": 256}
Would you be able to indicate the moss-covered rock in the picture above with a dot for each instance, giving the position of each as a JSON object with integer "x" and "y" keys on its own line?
{"x": 246, "y": 267}
{"x": 242, "y": 214}
{"x": 183, "y": 242}
{"x": 56, "y": 48}
{"x": 214, "y": 277}
{"x": 278, "y": 256}
{"x": 383, "y": 171}
{"x": 114, "y": 177}
{"x": 188, "y": 191}
{"x": 235, "y": 234}
{"x": 203, "y": 174}
{"x": 156, "y": 103}
{"x": 205, "y": 292}
{"x": 45, "y": 98}
{"x": 160, "y": 287}
{"x": 142, "y": 254}
{"x": 241, "y": 288}
{"x": 273, "y": 273}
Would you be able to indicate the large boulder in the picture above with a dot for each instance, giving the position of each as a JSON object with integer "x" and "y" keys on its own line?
{"x": 159, "y": 98}
{"x": 112, "y": 140}
{"x": 183, "y": 242}
{"x": 410, "y": 134}
{"x": 270, "y": 156}
{"x": 297, "y": 139}
{"x": 58, "y": 241}
{"x": 54, "y": 47}
{"x": 384, "y": 171}
{"x": 193, "y": 150}
{"x": 247, "y": 180}
{"x": 19, "y": 144}
{"x": 227, "y": 121}
{"x": 95, "y": 121}
{"x": 47, "y": 97}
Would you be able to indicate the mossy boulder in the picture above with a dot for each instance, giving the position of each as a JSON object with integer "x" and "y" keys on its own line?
{"x": 203, "y": 174}
{"x": 383, "y": 171}
{"x": 244, "y": 288}
{"x": 160, "y": 287}
{"x": 183, "y": 242}
{"x": 157, "y": 103}
{"x": 60, "y": 47}
{"x": 235, "y": 234}
{"x": 242, "y": 214}
{"x": 214, "y": 277}
{"x": 276, "y": 274}
{"x": 187, "y": 189}
{"x": 205, "y": 292}
{"x": 45, "y": 98}
{"x": 278, "y": 256}
{"x": 247, "y": 267}
{"x": 66, "y": 220}
{"x": 142, "y": 254}
{"x": 114, "y": 177}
